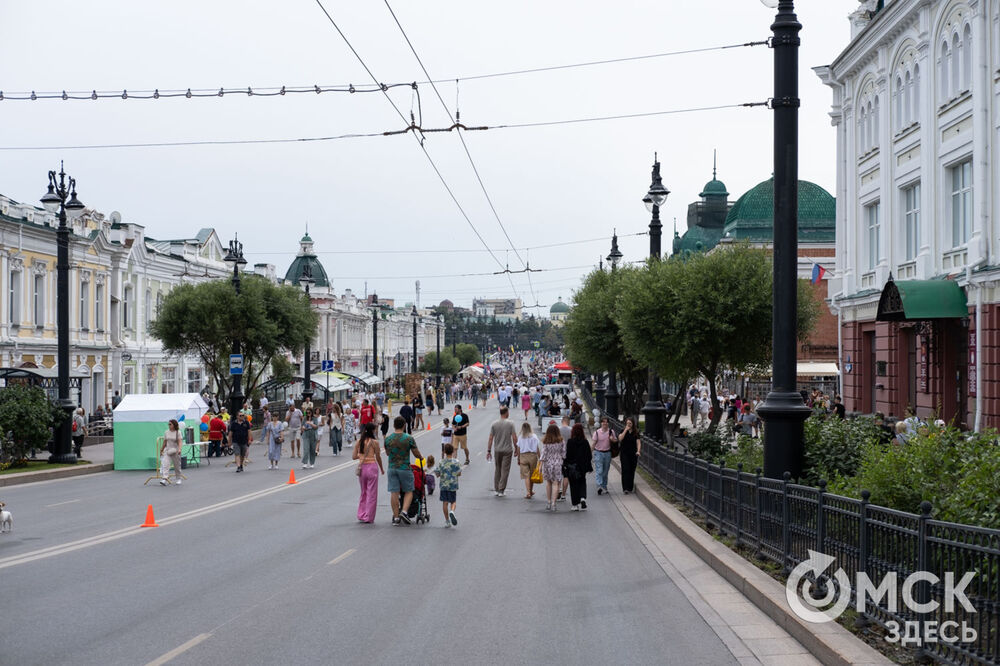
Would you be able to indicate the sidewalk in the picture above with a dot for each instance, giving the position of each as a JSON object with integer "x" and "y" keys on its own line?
{"x": 101, "y": 457}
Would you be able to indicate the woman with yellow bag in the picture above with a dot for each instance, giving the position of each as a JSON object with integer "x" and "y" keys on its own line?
{"x": 526, "y": 450}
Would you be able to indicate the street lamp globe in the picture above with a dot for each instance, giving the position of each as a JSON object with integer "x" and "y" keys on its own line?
{"x": 770, "y": 4}
{"x": 657, "y": 195}
{"x": 51, "y": 200}
{"x": 74, "y": 207}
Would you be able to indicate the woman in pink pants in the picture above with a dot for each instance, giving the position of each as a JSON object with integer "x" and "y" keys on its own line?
{"x": 366, "y": 450}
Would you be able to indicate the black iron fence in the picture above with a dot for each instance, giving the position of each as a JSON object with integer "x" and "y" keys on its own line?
{"x": 782, "y": 521}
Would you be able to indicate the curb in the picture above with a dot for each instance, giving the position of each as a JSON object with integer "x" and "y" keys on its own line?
{"x": 830, "y": 643}
{"x": 57, "y": 473}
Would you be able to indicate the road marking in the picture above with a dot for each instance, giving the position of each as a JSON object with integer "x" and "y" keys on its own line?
{"x": 342, "y": 556}
{"x": 60, "y": 503}
{"x": 114, "y": 535}
{"x": 179, "y": 650}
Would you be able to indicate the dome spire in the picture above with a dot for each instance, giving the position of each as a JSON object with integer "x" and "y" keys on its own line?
{"x": 714, "y": 151}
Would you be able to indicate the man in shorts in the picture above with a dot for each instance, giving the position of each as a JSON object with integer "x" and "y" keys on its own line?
{"x": 240, "y": 439}
{"x": 294, "y": 437}
{"x": 398, "y": 447}
{"x": 460, "y": 426}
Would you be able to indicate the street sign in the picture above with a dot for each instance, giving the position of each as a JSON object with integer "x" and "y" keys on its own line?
{"x": 236, "y": 364}
{"x": 326, "y": 366}
{"x": 126, "y": 356}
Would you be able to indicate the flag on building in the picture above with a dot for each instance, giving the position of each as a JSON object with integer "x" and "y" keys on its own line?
{"x": 818, "y": 273}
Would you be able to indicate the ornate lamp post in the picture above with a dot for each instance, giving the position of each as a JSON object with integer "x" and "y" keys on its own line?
{"x": 656, "y": 197}
{"x": 235, "y": 256}
{"x": 306, "y": 279}
{"x": 375, "y": 310}
{"x": 415, "y": 317}
{"x": 783, "y": 411}
{"x": 437, "y": 363}
{"x": 61, "y": 197}
{"x": 611, "y": 395}
{"x": 454, "y": 340}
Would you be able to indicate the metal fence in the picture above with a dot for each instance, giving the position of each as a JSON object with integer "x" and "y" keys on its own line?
{"x": 781, "y": 521}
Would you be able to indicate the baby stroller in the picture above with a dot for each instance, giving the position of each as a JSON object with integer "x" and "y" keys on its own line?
{"x": 418, "y": 507}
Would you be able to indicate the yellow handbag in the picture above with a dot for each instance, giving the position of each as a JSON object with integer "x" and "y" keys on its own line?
{"x": 536, "y": 475}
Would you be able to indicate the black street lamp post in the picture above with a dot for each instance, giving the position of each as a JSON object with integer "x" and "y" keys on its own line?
{"x": 783, "y": 411}
{"x": 611, "y": 395}
{"x": 61, "y": 197}
{"x": 235, "y": 256}
{"x": 437, "y": 361}
{"x": 306, "y": 279}
{"x": 454, "y": 340}
{"x": 375, "y": 310}
{"x": 415, "y": 317}
{"x": 654, "y": 410}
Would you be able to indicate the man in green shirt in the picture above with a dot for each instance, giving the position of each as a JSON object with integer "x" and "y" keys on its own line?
{"x": 398, "y": 447}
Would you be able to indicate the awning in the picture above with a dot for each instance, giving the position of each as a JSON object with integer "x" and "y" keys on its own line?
{"x": 563, "y": 367}
{"x": 914, "y": 300}
{"x": 815, "y": 369}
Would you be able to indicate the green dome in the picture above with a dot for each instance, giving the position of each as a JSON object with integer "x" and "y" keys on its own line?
{"x": 319, "y": 276}
{"x": 752, "y": 216}
{"x": 699, "y": 239}
{"x": 559, "y": 307}
{"x": 714, "y": 188}
{"x": 306, "y": 238}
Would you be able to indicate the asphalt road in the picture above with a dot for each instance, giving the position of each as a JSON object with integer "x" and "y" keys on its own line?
{"x": 245, "y": 569}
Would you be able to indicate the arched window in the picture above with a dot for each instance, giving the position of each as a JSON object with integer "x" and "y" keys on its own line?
{"x": 862, "y": 131}
{"x": 908, "y": 100}
{"x": 944, "y": 67}
{"x": 916, "y": 92}
{"x": 898, "y": 107}
{"x": 967, "y": 58}
{"x": 875, "y": 114}
{"x": 956, "y": 57}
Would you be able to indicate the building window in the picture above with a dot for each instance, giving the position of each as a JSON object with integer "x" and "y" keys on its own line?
{"x": 14, "y": 299}
{"x": 98, "y": 304}
{"x": 38, "y": 300}
{"x": 151, "y": 379}
{"x": 127, "y": 308}
{"x": 961, "y": 202}
{"x": 194, "y": 380}
{"x": 966, "y": 49}
{"x": 911, "y": 221}
{"x": 167, "y": 380}
{"x": 874, "y": 234}
{"x": 126, "y": 381}
{"x": 84, "y": 305}
{"x": 148, "y": 308}
{"x": 944, "y": 66}
{"x": 159, "y": 302}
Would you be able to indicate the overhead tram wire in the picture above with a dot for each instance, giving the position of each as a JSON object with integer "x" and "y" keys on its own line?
{"x": 451, "y": 275}
{"x": 277, "y": 91}
{"x": 419, "y": 140}
{"x": 233, "y": 142}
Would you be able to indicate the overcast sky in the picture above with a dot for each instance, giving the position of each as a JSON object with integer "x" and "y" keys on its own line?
{"x": 553, "y": 184}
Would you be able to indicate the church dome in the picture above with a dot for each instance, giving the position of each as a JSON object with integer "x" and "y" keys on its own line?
{"x": 446, "y": 305}
{"x": 752, "y": 216}
{"x": 559, "y": 307}
{"x": 714, "y": 188}
{"x": 307, "y": 256}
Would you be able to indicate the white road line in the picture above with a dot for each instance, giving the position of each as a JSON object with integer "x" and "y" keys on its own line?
{"x": 60, "y": 503}
{"x": 97, "y": 539}
{"x": 179, "y": 650}
{"x": 343, "y": 556}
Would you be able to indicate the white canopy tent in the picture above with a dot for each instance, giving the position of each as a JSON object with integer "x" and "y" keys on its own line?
{"x": 472, "y": 371}
{"x": 159, "y": 407}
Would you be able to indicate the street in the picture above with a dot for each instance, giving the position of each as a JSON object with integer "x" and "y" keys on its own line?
{"x": 247, "y": 569}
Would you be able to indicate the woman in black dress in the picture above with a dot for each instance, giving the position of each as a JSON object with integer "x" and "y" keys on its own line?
{"x": 576, "y": 465}
{"x": 630, "y": 447}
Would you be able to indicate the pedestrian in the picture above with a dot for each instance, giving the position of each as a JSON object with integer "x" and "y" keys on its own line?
{"x": 271, "y": 434}
{"x": 216, "y": 433}
{"x": 335, "y": 426}
{"x": 398, "y": 447}
{"x": 576, "y": 465}
{"x": 448, "y": 472}
{"x": 418, "y": 412}
{"x": 309, "y": 443}
{"x": 705, "y": 406}
{"x": 603, "y": 437}
{"x": 748, "y": 421}
{"x": 526, "y": 404}
{"x": 565, "y": 430}
{"x": 294, "y": 419}
{"x": 366, "y": 451}
{"x": 367, "y": 413}
{"x": 553, "y": 454}
{"x": 460, "y": 425}
{"x": 527, "y": 457}
{"x": 441, "y": 393}
{"x": 693, "y": 403}
{"x": 170, "y": 452}
{"x": 838, "y": 407}
{"x": 115, "y": 399}
{"x": 240, "y": 439}
{"x": 406, "y": 412}
{"x": 429, "y": 402}
{"x": 446, "y": 433}
{"x": 502, "y": 437}
{"x": 630, "y": 449}
{"x": 79, "y": 429}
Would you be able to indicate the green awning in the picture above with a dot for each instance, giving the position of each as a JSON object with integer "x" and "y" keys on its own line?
{"x": 913, "y": 300}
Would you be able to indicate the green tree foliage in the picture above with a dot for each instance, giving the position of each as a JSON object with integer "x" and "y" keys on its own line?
{"x": 467, "y": 353}
{"x": 282, "y": 370}
{"x": 704, "y": 314}
{"x": 449, "y": 364}
{"x": 593, "y": 335}
{"x": 204, "y": 319}
{"x": 834, "y": 446}
{"x": 28, "y": 415}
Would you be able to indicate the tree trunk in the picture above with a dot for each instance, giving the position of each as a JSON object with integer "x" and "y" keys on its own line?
{"x": 716, "y": 407}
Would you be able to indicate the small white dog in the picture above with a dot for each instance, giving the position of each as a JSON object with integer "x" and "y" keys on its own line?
{"x": 6, "y": 519}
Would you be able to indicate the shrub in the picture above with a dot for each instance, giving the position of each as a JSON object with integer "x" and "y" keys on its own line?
{"x": 749, "y": 451}
{"x": 833, "y": 446}
{"x": 27, "y": 414}
{"x": 707, "y": 445}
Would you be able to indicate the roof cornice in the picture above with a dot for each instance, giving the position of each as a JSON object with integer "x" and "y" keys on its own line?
{"x": 887, "y": 24}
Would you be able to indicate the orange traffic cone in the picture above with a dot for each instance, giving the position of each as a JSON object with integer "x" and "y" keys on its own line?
{"x": 470, "y": 407}
{"x": 428, "y": 426}
{"x": 291, "y": 478}
{"x": 150, "y": 520}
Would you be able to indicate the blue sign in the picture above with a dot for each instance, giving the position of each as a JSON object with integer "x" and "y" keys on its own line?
{"x": 326, "y": 366}
{"x": 236, "y": 364}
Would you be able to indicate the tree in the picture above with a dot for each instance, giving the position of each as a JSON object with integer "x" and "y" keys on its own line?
{"x": 27, "y": 415}
{"x": 705, "y": 314}
{"x": 552, "y": 340}
{"x": 204, "y": 319}
{"x": 449, "y": 364}
{"x": 467, "y": 353}
{"x": 593, "y": 337}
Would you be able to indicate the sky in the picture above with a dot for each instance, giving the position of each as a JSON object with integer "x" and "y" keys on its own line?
{"x": 378, "y": 213}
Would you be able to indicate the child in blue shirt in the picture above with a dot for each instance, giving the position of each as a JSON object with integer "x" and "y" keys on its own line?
{"x": 448, "y": 472}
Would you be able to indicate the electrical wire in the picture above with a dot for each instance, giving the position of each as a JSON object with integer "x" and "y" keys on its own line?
{"x": 276, "y": 91}
{"x": 418, "y": 139}
{"x": 452, "y": 275}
